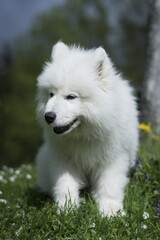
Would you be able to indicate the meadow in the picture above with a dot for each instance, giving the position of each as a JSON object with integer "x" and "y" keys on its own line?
{"x": 27, "y": 214}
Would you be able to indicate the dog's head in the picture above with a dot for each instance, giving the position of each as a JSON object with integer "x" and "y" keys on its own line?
{"x": 70, "y": 87}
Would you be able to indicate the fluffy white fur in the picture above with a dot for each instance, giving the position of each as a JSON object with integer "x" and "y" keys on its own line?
{"x": 100, "y": 146}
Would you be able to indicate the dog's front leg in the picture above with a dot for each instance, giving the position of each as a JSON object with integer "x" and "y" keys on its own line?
{"x": 66, "y": 191}
{"x": 109, "y": 190}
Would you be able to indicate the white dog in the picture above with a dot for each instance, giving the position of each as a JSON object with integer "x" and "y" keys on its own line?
{"x": 89, "y": 118}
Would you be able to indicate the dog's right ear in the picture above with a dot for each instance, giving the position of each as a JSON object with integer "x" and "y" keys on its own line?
{"x": 103, "y": 62}
{"x": 58, "y": 50}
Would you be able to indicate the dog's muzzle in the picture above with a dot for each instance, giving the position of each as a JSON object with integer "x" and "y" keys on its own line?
{"x": 50, "y": 118}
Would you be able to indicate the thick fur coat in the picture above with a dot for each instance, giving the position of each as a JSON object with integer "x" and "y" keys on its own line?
{"x": 89, "y": 119}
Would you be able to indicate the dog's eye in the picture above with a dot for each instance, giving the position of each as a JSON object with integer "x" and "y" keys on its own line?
{"x": 51, "y": 94}
{"x": 71, "y": 97}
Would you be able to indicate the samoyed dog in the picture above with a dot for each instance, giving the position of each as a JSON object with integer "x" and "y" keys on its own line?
{"x": 89, "y": 119}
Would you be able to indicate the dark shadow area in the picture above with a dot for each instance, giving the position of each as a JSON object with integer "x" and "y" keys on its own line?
{"x": 36, "y": 198}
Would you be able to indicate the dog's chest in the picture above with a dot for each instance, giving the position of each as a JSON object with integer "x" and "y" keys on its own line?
{"x": 86, "y": 154}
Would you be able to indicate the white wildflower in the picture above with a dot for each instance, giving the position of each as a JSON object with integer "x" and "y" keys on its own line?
{"x": 122, "y": 213}
{"x": 3, "y": 201}
{"x": 12, "y": 178}
{"x": 17, "y": 206}
{"x": 1, "y": 178}
{"x": 23, "y": 213}
{"x": 144, "y": 226}
{"x": 92, "y": 225}
{"x": 28, "y": 176}
{"x": 145, "y": 215}
{"x": 126, "y": 224}
{"x": 18, "y": 231}
{"x": 0, "y": 192}
{"x": 17, "y": 172}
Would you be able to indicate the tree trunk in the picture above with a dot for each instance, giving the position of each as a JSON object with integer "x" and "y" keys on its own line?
{"x": 151, "y": 90}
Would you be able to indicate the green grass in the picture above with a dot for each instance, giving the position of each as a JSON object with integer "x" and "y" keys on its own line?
{"x": 26, "y": 214}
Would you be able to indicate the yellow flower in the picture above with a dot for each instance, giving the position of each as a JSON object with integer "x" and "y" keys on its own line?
{"x": 145, "y": 127}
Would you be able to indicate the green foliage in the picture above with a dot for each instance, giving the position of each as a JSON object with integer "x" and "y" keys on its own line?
{"x": 134, "y": 68}
{"x": 130, "y": 54}
{"x": 27, "y": 214}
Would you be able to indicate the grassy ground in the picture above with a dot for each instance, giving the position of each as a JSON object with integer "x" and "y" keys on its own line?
{"x": 26, "y": 214}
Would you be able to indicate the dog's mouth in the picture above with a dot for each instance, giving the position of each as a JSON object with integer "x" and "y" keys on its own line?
{"x": 65, "y": 128}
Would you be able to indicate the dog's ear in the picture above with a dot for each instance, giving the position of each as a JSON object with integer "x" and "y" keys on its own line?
{"x": 102, "y": 61}
{"x": 100, "y": 56}
{"x": 58, "y": 50}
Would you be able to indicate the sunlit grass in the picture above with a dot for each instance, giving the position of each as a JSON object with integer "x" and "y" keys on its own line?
{"x": 27, "y": 214}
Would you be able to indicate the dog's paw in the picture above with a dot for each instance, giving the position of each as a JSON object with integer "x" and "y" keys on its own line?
{"x": 63, "y": 204}
{"x": 66, "y": 205}
{"x": 110, "y": 207}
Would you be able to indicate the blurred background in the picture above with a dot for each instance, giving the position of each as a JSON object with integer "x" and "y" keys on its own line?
{"x": 28, "y": 30}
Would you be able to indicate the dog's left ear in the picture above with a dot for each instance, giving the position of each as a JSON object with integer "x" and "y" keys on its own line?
{"x": 59, "y": 50}
{"x": 102, "y": 61}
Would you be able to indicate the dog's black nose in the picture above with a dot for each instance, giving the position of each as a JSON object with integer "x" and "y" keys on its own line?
{"x": 50, "y": 117}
